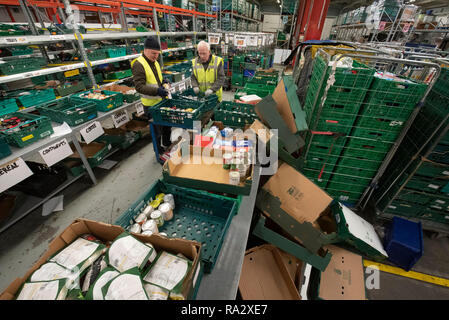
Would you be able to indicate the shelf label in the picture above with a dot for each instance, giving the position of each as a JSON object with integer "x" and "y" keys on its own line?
{"x": 182, "y": 86}
{"x": 120, "y": 118}
{"x": 57, "y": 37}
{"x": 139, "y": 109}
{"x": 56, "y": 152}
{"x": 12, "y": 173}
{"x": 92, "y": 132}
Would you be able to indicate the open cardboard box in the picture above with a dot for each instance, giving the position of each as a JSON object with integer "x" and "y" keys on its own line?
{"x": 343, "y": 279}
{"x": 108, "y": 232}
{"x": 137, "y": 126}
{"x": 312, "y": 217}
{"x": 204, "y": 170}
{"x": 266, "y": 276}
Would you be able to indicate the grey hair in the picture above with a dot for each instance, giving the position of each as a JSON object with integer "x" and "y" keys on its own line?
{"x": 203, "y": 43}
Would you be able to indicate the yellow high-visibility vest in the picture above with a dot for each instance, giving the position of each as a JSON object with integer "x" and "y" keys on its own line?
{"x": 149, "y": 101}
{"x": 207, "y": 78}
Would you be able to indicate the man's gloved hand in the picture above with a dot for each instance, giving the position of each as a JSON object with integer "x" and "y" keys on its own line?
{"x": 196, "y": 90}
{"x": 162, "y": 92}
{"x": 208, "y": 92}
{"x": 165, "y": 81}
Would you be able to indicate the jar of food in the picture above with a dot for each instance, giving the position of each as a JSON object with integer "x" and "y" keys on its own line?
{"x": 150, "y": 225}
{"x": 169, "y": 198}
{"x": 167, "y": 211}
{"x": 157, "y": 216}
{"x": 234, "y": 177}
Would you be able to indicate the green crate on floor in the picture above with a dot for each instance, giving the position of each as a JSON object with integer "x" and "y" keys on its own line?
{"x": 198, "y": 215}
{"x": 34, "y": 129}
{"x": 235, "y": 114}
{"x": 341, "y": 123}
{"x": 67, "y": 110}
{"x": 163, "y": 112}
{"x": 70, "y": 88}
{"x": 112, "y": 101}
{"x": 35, "y": 97}
{"x": 8, "y": 106}
{"x": 119, "y": 74}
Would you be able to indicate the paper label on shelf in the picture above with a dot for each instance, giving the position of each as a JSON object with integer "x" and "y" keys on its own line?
{"x": 56, "y": 152}
{"x": 240, "y": 41}
{"x": 251, "y": 41}
{"x": 182, "y": 86}
{"x": 92, "y": 132}
{"x": 12, "y": 173}
{"x": 57, "y": 37}
{"x": 139, "y": 109}
{"x": 120, "y": 118}
{"x": 214, "y": 38}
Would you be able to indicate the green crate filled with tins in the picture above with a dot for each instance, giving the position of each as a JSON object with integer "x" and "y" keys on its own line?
{"x": 235, "y": 114}
{"x": 68, "y": 110}
{"x": 8, "y": 106}
{"x": 22, "y": 129}
{"x": 210, "y": 102}
{"x": 69, "y": 88}
{"x": 34, "y": 97}
{"x": 119, "y": 138}
{"x": 117, "y": 75}
{"x": 179, "y": 111}
{"x": 22, "y": 65}
{"x": 197, "y": 215}
{"x": 5, "y": 150}
{"x": 104, "y": 100}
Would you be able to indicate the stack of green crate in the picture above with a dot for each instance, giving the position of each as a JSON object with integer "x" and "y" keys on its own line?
{"x": 415, "y": 184}
{"x": 362, "y": 117}
{"x": 237, "y": 70}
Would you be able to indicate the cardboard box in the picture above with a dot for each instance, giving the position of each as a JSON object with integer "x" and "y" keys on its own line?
{"x": 288, "y": 105}
{"x": 271, "y": 117}
{"x": 108, "y": 232}
{"x": 266, "y": 277}
{"x": 343, "y": 279}
{"x": 312, "y": 217}
{"x": 203, "y": 171}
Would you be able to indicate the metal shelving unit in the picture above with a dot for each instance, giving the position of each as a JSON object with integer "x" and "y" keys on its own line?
{"x": 42, "y": 40}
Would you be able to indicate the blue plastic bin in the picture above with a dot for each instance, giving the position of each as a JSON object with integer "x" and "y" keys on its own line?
{"x": 404, "y": 242}
{"x": 249, "y": 73}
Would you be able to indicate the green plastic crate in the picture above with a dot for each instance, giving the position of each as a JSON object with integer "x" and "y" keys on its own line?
{"x": 259, "y": 86}
{"x": 433, "y": 170}
{"x": 97, "y": 158}
{"x": 375, "y": 134}
{"x": 426, "y": 184}
{"x": 35, "y": 97}
{"x": 119, "y": 138}
{"x": 119, "y": 74}
{"x": 403, "y": 93}
{"x": 20, "y": 50}
{"x": 22, "y": 65}
{"x": 345, "y": 184}
{"x": 383, "y": 123}
{"x": 8, "y": 106}
{"x": 354, "y": 171}
{"x": 235, "y": 114}
{"x": 262, "y": 93}
{"x": 360, "y": 161}
{"x": 436, "y": 216}
{"x": 70, "y": 88}
{"x": 368, "y": 145}
{"x": 97, "y": 54}
{"x": 198, "y": 216}
{"x": 67, "y": 110}
{"x": 178, "y": 115}
{"x": 116, "y": 52}
{"x": 34, "y": 129}
{"x": 85, "y": 78}
{"x": 210, "y": 102}
{"x": 114, "y": 100}
{"x": 5, "y": 150}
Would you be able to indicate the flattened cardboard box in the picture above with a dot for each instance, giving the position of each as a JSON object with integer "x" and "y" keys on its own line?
{"x": 265, "y": 276}
{"x": 312, "y": 217}
{"x": 108, "y": 232}
{"x": 343, "y": 279}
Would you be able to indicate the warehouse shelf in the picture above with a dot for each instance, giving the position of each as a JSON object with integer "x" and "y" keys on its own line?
{"x": 31, "y": 203}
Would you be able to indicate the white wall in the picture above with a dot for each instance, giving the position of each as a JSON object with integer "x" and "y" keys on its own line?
{"x": 271, "y": 23}
{"x": 328, "y": 23}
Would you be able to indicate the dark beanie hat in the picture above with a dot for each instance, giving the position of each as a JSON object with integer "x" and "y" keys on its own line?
{"x": 152, "y": 43}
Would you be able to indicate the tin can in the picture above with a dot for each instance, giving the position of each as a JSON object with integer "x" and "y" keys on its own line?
{"x": 135, "y": 228}
{"x": 234, "y": 177}
{"x": 157, "y": 216}
{"x": 147, "y": 211}
{"x": 150, "y": 225}
{"x": 242, "y": 168}
{"x": 167, "y": 211}
{"x": 170, "y": 199}
{"x": 227, "y": 160}
{"x": 141, "y": 219}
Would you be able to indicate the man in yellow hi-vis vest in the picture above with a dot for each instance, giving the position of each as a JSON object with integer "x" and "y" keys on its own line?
{"x": 208, "y": 73}
{"x": 147, "y": 77}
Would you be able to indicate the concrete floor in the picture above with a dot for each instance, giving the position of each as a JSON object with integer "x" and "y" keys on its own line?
{"x": 23, "y": 243}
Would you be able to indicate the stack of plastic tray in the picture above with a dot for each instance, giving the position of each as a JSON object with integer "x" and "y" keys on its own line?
{"x": 70, "y": 111}
{"x": 112, "y": 101}
{"x": 114, "y": 52}
{"x": 69, "y": 88}
{"x": 235, "y": 114}
{"x": 4, "y": 148}
{"x": 33, "y": 129}
{"x": 415, "y": 183}
{"x": 8, "y": 106}
{"x": 35, "y": 97}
